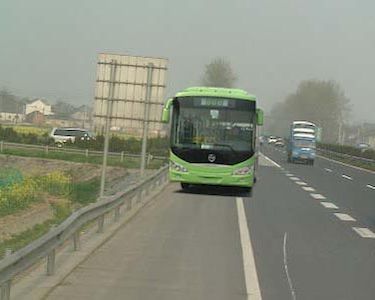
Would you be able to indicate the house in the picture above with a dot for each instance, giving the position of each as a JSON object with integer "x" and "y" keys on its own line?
{"x": 39, "y": 105}
{"x": 35, "y": 117}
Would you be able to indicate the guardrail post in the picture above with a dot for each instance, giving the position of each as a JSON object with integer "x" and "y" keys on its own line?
{"x": 46, "y": 149}
{"x": 101, "y": 224}
{"x": 5, "y": 287}
{"x": 130, "y": 203}
{"x": 1, "y": 146}
{"x": 87, "y": 152}
{"x": 76, "y": 241}
{"x": 51, "y": 259}
{"x": 141, "y": 195}
{"x": 117, "y": 213}
{"x": 122, "y": 156}
{"x": 5, "y": 290}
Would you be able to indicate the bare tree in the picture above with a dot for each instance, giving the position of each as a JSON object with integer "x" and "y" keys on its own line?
{"x": 219, "y": 73}
{"x": 321, "y": 102}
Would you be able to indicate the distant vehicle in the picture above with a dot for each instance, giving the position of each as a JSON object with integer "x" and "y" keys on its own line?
{"x": 272, "y": 139}
{"x": 280, "y": 142}
{"x": 363, "y": 146}
{"x": 302, "y": 142}
{"x": 64, "y": 135}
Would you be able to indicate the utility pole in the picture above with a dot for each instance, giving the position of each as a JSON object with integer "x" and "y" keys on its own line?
{"x": 150, "y": 67}
{"x": 111, "y": 90}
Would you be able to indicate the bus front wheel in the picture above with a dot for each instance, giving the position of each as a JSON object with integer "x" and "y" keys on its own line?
{"x": 185, "y": 186}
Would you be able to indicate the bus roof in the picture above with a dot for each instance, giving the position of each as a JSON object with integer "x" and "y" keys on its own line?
{"x": 303, "y": 123}
{"x": 216, "y": 92}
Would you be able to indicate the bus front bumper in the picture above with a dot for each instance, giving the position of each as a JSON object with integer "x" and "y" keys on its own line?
{"x": 212, "y": 179}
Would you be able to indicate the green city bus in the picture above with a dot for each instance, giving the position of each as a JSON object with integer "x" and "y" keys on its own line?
{"x": 213, "y": 137}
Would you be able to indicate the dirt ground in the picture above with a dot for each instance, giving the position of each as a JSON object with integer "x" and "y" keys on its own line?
{"x": 38, "y": 166}
{"x": 41, "y": 212}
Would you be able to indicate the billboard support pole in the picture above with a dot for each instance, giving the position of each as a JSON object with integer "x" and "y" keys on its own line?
{"x": 150, "y": 67}
{"x": 111, "y": 90}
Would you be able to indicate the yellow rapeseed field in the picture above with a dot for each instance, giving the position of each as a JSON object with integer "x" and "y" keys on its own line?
{"x": 20, "y": 195}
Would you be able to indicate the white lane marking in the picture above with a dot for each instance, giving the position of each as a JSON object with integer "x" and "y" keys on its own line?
{"x": 344, "y": 217}
{"x": 251, "y": 277}
{"x": 318, "y": 196}
{"x": 346, "y": 177}
{"x": 328, "y": 170}
{"x": 301, "y": 183}
{"x": 308, "y": 189}
{"x": 347, "y": 165}
{"x": 364, "y": 232}
{"x": 370, "y": 186}
{"x": 292, "y": 291}
{"x": 329, "y": 205}
{"x": 294, "y": 178}
{"x": 271, "y": 161}
{"x": 289, "y": 175}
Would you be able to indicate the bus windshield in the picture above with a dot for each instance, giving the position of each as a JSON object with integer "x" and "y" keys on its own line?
{"x": 304, "y": 143}
{"x": 213, "y": 123}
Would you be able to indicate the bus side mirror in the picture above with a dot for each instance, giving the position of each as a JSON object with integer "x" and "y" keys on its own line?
{"x": 260, "y": 117}
{"x": 167, "y": 111}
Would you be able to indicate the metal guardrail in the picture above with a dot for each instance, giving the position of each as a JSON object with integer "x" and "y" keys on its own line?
{"x": 18, "y": 262}
{"x": 85, "y": 152}
{"x": 347, "y": 156}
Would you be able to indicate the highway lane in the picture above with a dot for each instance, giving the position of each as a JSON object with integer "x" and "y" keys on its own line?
{"x": 191, "y": 246}
{"x": 345, "y": 186}
{"x": 323, "y": 257}
{"x": 183, "y": 246}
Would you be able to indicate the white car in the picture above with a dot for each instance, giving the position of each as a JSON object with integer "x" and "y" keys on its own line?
{"x": 272, "y": 140}
{"x": 63, "y": 135}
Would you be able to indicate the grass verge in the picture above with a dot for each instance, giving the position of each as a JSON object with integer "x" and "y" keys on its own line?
{"x": 128, "y": 162}
{"x": 18, "y": 241}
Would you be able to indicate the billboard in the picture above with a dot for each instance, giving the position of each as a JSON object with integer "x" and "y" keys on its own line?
{"x": 129, "y": 93}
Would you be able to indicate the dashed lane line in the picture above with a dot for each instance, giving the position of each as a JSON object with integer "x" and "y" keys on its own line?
{"x": 289, "y": 175}
{"x": 344, "y": 217}
{"x": 328, "y": 170}
{"x": 294, "y": 178}
{"x": 370, "y": 186}
{"x": 301, "y": 183}
{"x": 318, "y": 196}
{"x": 329, "y": 205}
{"x": 364, "y": 232}
{"x": 308, "y": 189}
{"x": 346, "y": 177}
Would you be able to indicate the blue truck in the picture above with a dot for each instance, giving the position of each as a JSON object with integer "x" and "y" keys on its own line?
{"x": 302, "y": 142}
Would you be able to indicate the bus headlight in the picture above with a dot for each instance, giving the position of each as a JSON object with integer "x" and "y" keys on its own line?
{"x": 177, "y": 167}
{"x": 244, "y": 171}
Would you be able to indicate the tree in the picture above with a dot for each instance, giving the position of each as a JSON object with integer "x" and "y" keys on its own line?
{"x": 321, "y": 102}
{"x": 63, "y": 109}
{"x": 219, "y": 73}
{"x": 10, "y": 103}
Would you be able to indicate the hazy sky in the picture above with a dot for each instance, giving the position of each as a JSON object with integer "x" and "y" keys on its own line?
{"x": 48, "y": 48}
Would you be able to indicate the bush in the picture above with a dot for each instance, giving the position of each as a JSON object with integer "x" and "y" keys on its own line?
{"x": 85, "y": 192}
{"x": 20, "y": 195}
{"x": 350, "y": 150}
{"x": 8, "y": 134}
{"x": 156, "y": 146}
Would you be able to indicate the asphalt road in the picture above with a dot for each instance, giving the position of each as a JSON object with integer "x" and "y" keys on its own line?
{"x": 214, "y": 243}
